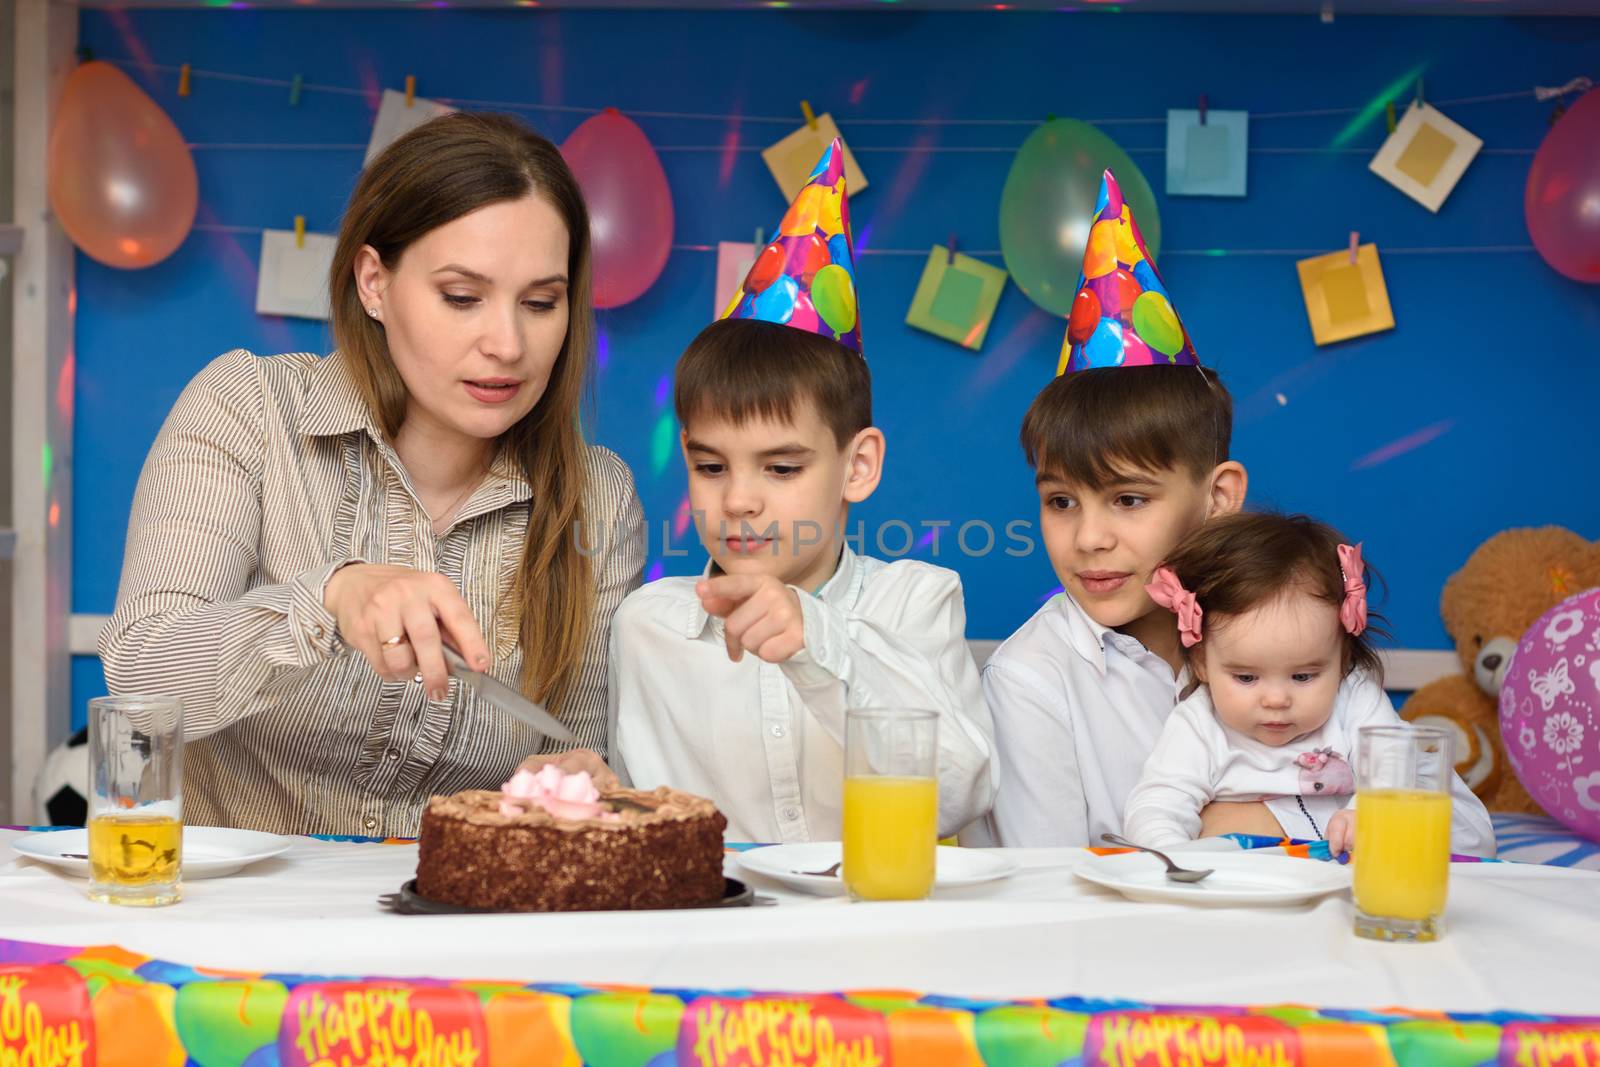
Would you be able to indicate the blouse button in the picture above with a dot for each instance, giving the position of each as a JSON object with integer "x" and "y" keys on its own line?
{"x": 369, "y": 822}
{"x": 778, "y": 731}
{"x": 791, "y": 813}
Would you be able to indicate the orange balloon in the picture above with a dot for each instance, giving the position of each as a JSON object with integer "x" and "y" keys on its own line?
{"x": 801, "y": 218}
{"x": 121, "y": 178}
{"x": 1100, "y": 257}
{"x": 135, "y": 1027}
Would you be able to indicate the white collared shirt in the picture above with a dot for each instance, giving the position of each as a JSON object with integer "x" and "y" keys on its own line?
{"x": 765, "y": 741}
{"x": 1198, "y": 760}
{"x": 1077, "y": 708}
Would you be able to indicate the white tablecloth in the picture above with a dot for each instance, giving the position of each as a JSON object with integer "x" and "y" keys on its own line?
{"x": 1519, "y": 937}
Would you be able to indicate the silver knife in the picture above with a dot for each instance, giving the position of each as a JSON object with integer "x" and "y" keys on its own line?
{"x": 507, "y": 699}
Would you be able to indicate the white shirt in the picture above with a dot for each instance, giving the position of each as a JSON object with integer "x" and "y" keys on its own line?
{"x": 1198, "y": 760}
{"x": 765, "y": 741}
{"x": 1077, "y": 708}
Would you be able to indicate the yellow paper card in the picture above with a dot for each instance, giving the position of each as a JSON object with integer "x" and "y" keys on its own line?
{"x": 792, "y": 158}
{"x": 1344, "y": 299}
{"x": 1425, "y": 156}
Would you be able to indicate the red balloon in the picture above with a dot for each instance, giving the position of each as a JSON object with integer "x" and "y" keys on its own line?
{"x": 630, "y": 205}
{"x": 1562, "y": 202}
{"x": 768, "y": 266}
{"x": 1084, "y": 318}
{"x": 1117, "y": 290}
{"x": 808, "y": 255}
{"x": 121, "y": 178}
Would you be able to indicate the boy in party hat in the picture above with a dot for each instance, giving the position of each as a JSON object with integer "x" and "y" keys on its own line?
{"x": 734, "y": 685}
{"x": 1129, "y": 445}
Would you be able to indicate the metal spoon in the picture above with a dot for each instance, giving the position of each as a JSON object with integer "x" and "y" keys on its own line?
{"x": 1174, "y": 872}
{"x": 831, "y": 872}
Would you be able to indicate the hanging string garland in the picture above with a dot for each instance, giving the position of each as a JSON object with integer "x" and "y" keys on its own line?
{"x": 297, "y": 85}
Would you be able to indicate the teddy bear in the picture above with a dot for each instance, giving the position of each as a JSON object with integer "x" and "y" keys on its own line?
{"x": 1506, "y": 584}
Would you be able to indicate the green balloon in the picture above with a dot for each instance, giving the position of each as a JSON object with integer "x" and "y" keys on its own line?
{"x": 834, "y": 298}
{"x": 222, "y": 1024}
{"x": 1157, "y": 324}
{"x": 1029, "y": 1036}
{"x": 625, "y": 1029}
{"x": 1049, "y": 201}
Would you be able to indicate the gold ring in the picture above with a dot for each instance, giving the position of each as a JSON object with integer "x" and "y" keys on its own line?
{"x": 395, "y": 642}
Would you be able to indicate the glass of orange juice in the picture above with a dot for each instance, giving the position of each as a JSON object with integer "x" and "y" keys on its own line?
{"x": 1402, "y": 851}
{"x": 135, "y": 799}
{"x": 891, "y": 802}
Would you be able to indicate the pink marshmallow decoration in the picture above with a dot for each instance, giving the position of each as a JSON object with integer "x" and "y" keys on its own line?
{"x": 562, "y": 795}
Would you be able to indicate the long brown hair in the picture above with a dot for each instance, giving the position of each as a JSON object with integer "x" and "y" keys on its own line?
{"x": 440, "y": 171}
{"x": 1235, "y": 563}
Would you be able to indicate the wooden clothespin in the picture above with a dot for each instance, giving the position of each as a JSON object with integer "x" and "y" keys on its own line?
{"x": 1355, "y": 245}
{"x": 811, "y": 117}
{"x": 1419, "y": 100}
{"x": 951, "y": 248}
{"x": 294, "y": 90}
{"x": 761, "y": 240}
{"x": 299, "y": 231}
{"x": 1203, "y": 108}
{"x": 183, "y": 80}
{"x": 411, "y": 89}
{"x": 1388, "y": 115}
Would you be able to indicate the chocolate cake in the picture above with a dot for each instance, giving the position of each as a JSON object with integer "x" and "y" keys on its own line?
{"x": 633, "y": 850}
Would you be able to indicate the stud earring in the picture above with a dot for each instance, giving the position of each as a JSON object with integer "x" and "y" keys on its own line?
{"x": 373, "y": 312}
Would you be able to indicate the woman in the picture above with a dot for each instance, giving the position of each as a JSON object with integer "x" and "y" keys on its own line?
{"x": 307, "y": 531}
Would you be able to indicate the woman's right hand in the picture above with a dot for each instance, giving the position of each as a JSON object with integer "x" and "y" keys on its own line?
{"x": 398, "y": 617}
{"x": 574, "y": 760}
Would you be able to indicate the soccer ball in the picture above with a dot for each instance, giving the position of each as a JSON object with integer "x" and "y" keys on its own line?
{"x": 61, "y": 792}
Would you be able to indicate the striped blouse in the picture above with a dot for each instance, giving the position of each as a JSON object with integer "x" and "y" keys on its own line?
{"x": 269, "y": 475}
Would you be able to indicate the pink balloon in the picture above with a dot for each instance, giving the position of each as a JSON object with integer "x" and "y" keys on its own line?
{"x": 121, "y": 178}
{"x": 1550, "y": 712}
{"x": 630, "y": 206}
{"x": 1562, "y": 202}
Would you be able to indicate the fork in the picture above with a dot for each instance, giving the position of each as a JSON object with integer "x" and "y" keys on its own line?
{"x": 1174, "y": 872}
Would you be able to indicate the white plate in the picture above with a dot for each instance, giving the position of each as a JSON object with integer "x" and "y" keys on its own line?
{"x": 208, "y": 851}
{"x": 1240, "y": 878}
{"x": 952, "y": 866}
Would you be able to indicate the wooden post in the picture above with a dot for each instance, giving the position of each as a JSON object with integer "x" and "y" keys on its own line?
{"x": 43, "y": 296}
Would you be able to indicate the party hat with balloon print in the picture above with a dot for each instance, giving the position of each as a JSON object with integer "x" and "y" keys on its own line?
{"x": 806, "y": 278}
{"x": 1122, "y": 316}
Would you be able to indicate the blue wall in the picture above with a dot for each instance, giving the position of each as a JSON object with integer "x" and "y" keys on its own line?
{"x": 1491, "y": 373}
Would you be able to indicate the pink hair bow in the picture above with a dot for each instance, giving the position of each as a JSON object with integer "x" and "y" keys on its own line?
{"x": 1353, "y": 611}
{"x": 1165, "y": 589}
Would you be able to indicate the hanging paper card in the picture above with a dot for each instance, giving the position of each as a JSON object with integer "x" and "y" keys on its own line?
{"x": 294, "y": 281}
{"x": 956, "y": 300}
{"x": 1345, "y": 299}
{"x": 734, "y": 260}
{"x": 395, "y": 119}
{"x": 1425, "y": 156}
{"x": 1208, "y": 158}
{"x": 792, "y": 158}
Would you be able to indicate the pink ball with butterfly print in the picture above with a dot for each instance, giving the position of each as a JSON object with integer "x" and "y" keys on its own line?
{"x": 1550, "y": 712}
